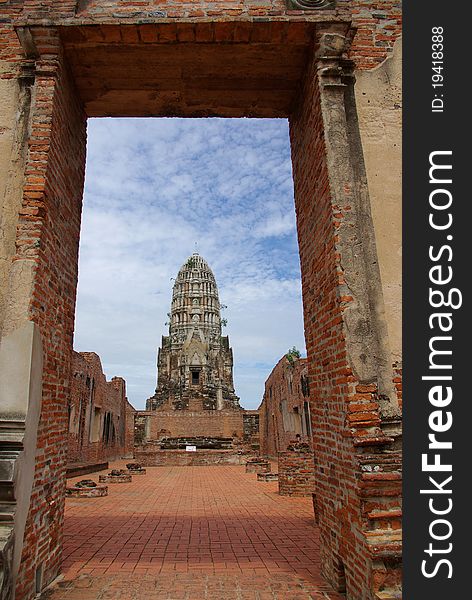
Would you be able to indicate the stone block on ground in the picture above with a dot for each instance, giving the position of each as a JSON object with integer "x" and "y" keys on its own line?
{"x": 135, "y": 469}
{"x": 258, "y": 466}
{"x": 116, "y": 476}
{"x": 267, "y": 476}
{"x": 87, "y": 489}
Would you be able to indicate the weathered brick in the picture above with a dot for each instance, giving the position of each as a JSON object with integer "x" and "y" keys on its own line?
{"x": 285, "y": 403}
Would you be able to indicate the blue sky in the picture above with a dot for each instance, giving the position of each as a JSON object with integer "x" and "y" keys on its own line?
{"x": 153, "y": 188}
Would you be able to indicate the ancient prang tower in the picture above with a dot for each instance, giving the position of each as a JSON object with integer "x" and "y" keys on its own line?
{"x": 195, "y": 362}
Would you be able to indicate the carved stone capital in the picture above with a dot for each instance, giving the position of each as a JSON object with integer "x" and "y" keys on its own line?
{"x": 332, "y": 66}
{"x": 331, "y": 45}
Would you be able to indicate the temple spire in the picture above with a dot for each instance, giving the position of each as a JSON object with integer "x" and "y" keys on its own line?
{"x": 195, "y": 363}
{"x": 195, "y": 303}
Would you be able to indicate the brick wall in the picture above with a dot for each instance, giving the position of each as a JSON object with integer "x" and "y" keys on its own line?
{"x": 251, "y": 438}
{"x": 284, "y": 411}
{"x": 378, "y": 22}
{"x": 296, "y": 473}
{"x": 181, "y": 458}
{"x": 181, "y": 423}
{"x": 98, "y": 413}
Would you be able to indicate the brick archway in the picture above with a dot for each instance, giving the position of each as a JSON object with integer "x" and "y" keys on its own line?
{"x": 86, "y": 61}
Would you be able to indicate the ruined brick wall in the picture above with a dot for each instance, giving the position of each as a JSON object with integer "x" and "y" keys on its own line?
{"x": 378, "y": 22}
{"x": 378, "y": 95}
{"x": 251, "y": 425}
{"x": 328, "y": 365}
{"x": 208, "y": 423}
{"x": 284, "y": 411}
{"x": 11, "y": 53}
{"x": 346, "y": 413}
{"x": 296, "y": 473}
{"x": 125, "y": 420}
{"x": 181, "y": 458}
{"x": 98, "y": 413}
{"x": 44, "y": 273}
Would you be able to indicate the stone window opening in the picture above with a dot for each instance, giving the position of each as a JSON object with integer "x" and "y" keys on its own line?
{"x": 108, "y": 429}
{"x": 298, "y": 421}
{"x": 306, "y": 414}
{"x": 71, "y": 410}
{"x": 276, "y": 433}
{"x": 340, "y": 574}
{"x": 39, "y": 579}
{"x": 195, "y": 376}
{"x": 305, "y": 385}
{"x": 95, "y": 429}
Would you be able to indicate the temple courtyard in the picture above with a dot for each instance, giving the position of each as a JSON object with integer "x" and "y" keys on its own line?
{"x": 190, "y": 533}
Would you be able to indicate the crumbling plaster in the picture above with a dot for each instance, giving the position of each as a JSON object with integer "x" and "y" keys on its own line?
{"x": 379, "y": 101}
{"x": 15, "y": 102}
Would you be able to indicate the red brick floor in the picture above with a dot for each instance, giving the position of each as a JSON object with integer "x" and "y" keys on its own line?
{"x": 191, "y": 533}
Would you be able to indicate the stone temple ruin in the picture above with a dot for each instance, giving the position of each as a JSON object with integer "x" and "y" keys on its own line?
{"x": 194, "y": 403}
{"x": 195, "y": 362}
{"x": 333, "y": 70}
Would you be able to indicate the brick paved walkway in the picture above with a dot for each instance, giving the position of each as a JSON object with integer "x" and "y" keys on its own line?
{"x": 191, "y": 533}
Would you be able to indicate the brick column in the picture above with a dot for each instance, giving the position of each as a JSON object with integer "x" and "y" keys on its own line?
{"x": 42, "y": 287}
{"x": 354, "y": 406}
{"x": 296, "y": 473}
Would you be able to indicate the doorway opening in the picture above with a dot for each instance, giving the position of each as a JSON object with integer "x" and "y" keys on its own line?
{"x": 294, "y": 70}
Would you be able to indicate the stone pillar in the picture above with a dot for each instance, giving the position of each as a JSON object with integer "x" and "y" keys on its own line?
{"x": 354, "y": 408}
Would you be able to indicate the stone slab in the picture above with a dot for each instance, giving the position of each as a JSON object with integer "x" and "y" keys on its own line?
{"x": 124, "y": 478}
{"x": 87, "y": 492}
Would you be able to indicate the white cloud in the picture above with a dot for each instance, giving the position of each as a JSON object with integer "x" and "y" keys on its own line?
{"x": 154, "y": 187}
